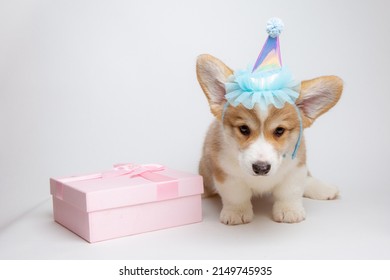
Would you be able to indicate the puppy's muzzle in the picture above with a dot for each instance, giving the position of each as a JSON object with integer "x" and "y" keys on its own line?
{"x": 261, "y": 167}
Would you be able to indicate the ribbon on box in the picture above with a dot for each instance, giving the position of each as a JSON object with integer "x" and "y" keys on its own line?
{"x": 167, "y": 187}
{"x": 120, "y": 169}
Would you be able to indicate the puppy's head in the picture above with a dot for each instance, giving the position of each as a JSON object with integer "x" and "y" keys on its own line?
{"x": 264, "y": 138}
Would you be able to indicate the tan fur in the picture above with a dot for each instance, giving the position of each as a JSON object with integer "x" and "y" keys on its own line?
{"x": 209, "y": 166}
{"x": 238, "y": 116}
{"x": 211, "y": 74}
{"x": 324, "y": 84}
{"x": 287, "y": 118}
{"x": 301, "y": 155}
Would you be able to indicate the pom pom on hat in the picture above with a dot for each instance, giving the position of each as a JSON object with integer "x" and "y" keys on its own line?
{"x": 274, "y": 27}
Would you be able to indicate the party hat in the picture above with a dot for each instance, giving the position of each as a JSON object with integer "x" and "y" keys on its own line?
{"x": 269, "y": 57}
{"x": 267, "y": 83}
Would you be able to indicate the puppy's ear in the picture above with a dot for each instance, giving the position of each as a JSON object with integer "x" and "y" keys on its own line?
{"x": 317, "y": 96}
{"x": 212, "y": 74}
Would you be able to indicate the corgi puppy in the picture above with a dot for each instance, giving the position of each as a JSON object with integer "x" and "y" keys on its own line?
{"x": 247, "y": 152}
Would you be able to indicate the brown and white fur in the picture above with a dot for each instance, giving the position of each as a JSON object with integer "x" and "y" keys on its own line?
{"x": 250, "y": 152}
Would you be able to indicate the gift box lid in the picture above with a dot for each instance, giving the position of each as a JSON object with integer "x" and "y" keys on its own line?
{"x": 125, "y": 186}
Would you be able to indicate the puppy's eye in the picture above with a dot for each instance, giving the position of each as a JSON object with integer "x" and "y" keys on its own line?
{"x": 244, "y": 129}
{"x": 279, "y": 131}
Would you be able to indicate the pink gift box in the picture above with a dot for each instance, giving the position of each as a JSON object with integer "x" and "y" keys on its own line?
{"x": 129, "y": 199}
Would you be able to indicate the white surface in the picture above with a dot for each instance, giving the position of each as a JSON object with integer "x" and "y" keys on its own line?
{"x": 340, "y": 229}
{"x": 85, "y": 84}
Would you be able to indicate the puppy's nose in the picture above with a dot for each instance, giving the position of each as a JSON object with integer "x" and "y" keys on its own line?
{"x": 261, "y": 167}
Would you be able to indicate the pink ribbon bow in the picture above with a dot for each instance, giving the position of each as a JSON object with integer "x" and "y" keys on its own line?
{"x": 119, "y": 170}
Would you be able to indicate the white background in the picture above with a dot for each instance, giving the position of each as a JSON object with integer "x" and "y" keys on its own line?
{"x": 84, "y": 84}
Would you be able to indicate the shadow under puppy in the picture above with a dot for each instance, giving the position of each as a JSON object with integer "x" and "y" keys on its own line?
{"x": 256, "y": 145}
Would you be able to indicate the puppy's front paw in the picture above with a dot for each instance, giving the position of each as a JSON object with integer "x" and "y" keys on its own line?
{"x": 236, "y": 215}
{"x": 287, "y": 212}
